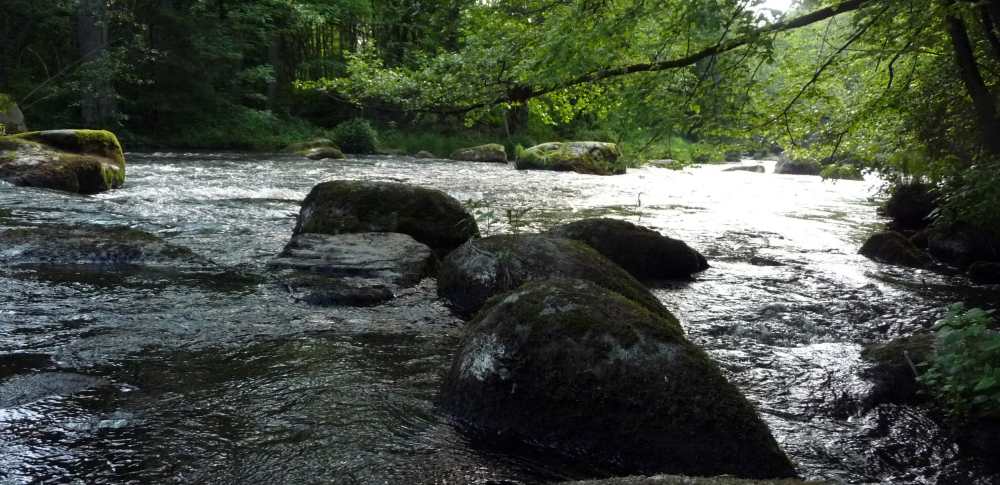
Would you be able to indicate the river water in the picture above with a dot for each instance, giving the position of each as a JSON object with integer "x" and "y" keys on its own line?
{"x": 136, "y": 376}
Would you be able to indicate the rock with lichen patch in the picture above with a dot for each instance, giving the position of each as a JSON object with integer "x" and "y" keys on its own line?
{"x": 586, "y": 157}
{"x": 82, "y": 161}
{"x": 569, "y": 366}
{"x": 485, "y": 267}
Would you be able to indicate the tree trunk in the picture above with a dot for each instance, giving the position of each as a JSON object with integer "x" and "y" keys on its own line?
{"x": 982, "y": 100}
{"x": 97, "y": 103}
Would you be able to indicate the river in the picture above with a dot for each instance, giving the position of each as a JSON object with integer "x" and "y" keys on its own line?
{"x": 135, "y": 376}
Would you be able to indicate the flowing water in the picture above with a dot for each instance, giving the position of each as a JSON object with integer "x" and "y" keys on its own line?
{"x": 141, "y": 376}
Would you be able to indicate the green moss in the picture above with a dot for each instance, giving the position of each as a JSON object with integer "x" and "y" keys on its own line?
{"x": 561, "y": 157}
{"x": 839, "y": 171}
{"x": 5, "y": 102}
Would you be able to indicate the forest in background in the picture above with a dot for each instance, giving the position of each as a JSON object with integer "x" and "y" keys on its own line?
{"x": 904, "y": 87}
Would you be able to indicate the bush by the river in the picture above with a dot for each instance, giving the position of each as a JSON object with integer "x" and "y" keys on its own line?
{"x": 580, "y": 370}
{"x": 356, "y": 136}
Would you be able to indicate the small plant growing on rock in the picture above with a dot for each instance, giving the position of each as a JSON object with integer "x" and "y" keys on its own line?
{"x": 964, "y": 373}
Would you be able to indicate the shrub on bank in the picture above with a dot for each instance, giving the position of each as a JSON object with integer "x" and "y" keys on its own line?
{"x": 356, "y": 136}
{"x": 964, "y": 373}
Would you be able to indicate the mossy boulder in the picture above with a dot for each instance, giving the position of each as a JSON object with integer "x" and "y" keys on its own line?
{"x": 11, "y": 116}
{"x": 985, "y": 272}
{"x": 491, "y": 152}
{"x": 587, "y": 157}
{"x": 424, "y": 154}
{"x": 92, "y": 245}
{"x": 893, "y": 248}
{"x": 893, "y": 369}
{"x": 841, "y": 171}
{"x": 323, "y": 153}
{"x": 797, "y": 167}
{"x": 571, "y": 367}
{"x": 82, "y": 161}
{"x": 482, "y": 268}
{"x": 348, "y": 206}
{"x": 351, "y": 269}
{"x": 746, "y": 168}
{"x": 643, "y": 252}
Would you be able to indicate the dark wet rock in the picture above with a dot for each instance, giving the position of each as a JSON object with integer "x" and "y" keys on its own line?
{"x": 985, "y": 272}
{"x": 685, "y": 480}
{"x": 732, "y": 156}
{"x": 797, "y": 167}
{"x": 21, "y": 362}
{"x": 323, "y": 153}
{"x": 893, "y": 371}
{"x": 980, "y": 436}
{"x": 429, "y": 216}
{"x": 82, "y": 161}
{"x": 58, "y": 244}
{"x": 643, "y": 252}
{"x": 910, "y": 206}
{"x": 481, "y": 268}
{"x": 11, "y": 116}
{"x": 587, "y": 157}
{"x": 360, "y": 269}
{"x": 27, "y": 388}
{"x": 746, "y": 168}
{"x": 569, "y": 366}
{"x": 893, "y": 248}
{"x": 424, "y": 154}
{"x": 962, "y": 244}
{"x": 491, "y": 152}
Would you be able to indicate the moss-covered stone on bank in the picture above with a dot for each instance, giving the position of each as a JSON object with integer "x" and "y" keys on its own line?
{"x": 83, "y": 161}
{"x": 587, "y": 157}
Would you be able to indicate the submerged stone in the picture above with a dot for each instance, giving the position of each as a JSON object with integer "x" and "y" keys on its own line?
{"x": 586, "y": 157}
{"x": 59, "y": 244}
{"x": 351, "y": 269}
{"x": 82, "y": 161}
{"x": 893, "y": 248}
{"x": 569, "y": 366}
{"x": 491, "y": 152}
{"x": 643, "y": 252}
{"x": 346, "y": 206}
{"x": 485, "y": 267}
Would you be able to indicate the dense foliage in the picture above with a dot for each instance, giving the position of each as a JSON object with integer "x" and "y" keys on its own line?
{"x": 964, "y": 373}
{"x": 907, "y": 88}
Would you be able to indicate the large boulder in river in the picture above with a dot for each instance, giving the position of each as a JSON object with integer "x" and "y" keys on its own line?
{"x": 92, "y": 245}
{"x": 482, "y": 268}
{"x": 491, "y": 152}
{"x": 587, "y": 157}
{"x": 347, "y": 206}
{"x": 83, "y": 161}
{"x": 644, "y": 253}
{"x": 351, "y": 269}
{"x": 569, "y": 366}
{"x": 797, "y": 167}
{"x": 11, "y": 117}
{"x": 305, "y": 146}
{"x": 893, "y": 248}
{"x": 323, "y": 153}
